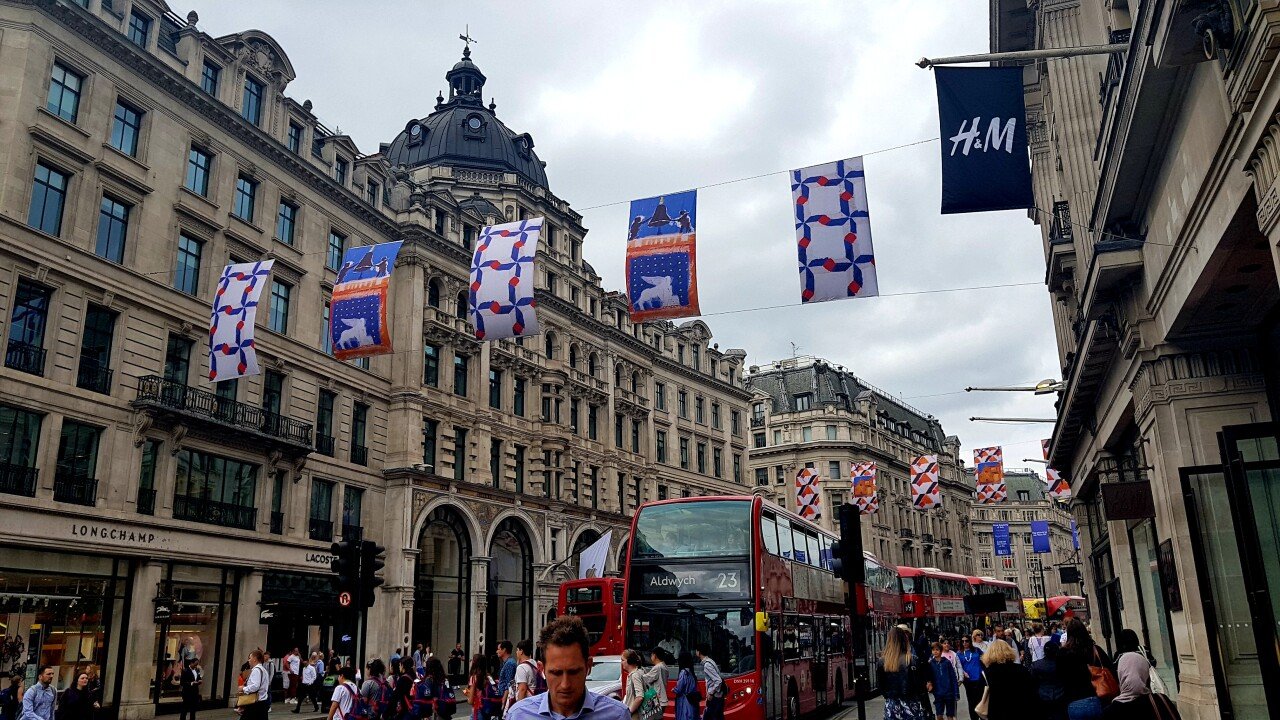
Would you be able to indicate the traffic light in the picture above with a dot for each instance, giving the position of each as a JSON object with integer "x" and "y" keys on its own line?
{"x": 846, "y": 553}
{"x": 346, "y": 571}
{"x": 372, "y": 559}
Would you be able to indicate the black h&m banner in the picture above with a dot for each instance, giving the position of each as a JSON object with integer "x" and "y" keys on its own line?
{"x": 982, "y": 120}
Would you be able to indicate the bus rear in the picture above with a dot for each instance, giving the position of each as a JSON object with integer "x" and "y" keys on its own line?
{"x": 598, "y": 602}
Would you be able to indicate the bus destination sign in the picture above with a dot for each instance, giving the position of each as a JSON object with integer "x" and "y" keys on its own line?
{"x": 721, "y": 581}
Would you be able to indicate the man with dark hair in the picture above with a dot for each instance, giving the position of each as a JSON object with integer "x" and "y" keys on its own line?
{"x": 507, "y": 674}
{"x": 344, "y": 695}
{"x": 526, "y": 671}
{"x": 715, "y": 683}
{"x": 39, "y": 699}
{"x": 567, "y": 660}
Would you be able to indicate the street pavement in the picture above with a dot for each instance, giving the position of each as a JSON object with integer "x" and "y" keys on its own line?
{"x": 875, "y": 709}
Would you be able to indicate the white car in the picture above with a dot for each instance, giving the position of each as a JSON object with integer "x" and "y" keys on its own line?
{"x": 605, "y": 677}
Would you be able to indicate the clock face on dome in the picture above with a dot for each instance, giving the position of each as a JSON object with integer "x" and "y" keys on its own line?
{"x": 416, "y": 130}
{"x": 473, "y": 122}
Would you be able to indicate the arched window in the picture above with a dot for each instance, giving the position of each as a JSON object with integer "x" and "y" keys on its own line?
{"x": 433, "y": 293}
{"x": 617, "y": 375}
{"x": 442, "y": 580}
{"x": 573, "y": 356}
{"x": 463, "y": 305}
{"x": 592, "y": 361}
{"x": 510, "y": 582}
{"x": 635, "y": 382}
{"x": 550, "y": 345}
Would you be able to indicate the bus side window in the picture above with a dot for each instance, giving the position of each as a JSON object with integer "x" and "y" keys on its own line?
{"x": 814, "y": 558}
{"x": 769, "y": 533}
{"x": 784, "y": 538}
{"x": 801, "y": 547}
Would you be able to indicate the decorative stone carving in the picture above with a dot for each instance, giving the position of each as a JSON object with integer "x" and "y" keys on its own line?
{"x": 1196, "y": 373}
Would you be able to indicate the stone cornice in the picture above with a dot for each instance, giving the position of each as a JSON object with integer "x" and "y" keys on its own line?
{"x": 193, "y": 98}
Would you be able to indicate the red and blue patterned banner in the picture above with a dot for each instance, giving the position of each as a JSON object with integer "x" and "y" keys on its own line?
{"x": 501, "y": 290}
{"x": 1059, "y": 488}
{"x": 809, "y": 494}
{"x": 359, "y": 307}
{"x": 926, "y": 491}
{"x": 232, "y": 352}
{"x": 662, "y": 264}
{"x": 989, "y": 475}
{"x": 863, "y": 476}
{"x": 833, "y": 231}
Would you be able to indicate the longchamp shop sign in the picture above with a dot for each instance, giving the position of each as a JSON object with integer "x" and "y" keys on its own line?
{"x": 114, "y": 533}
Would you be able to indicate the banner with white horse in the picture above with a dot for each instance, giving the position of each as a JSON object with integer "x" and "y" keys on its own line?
{"x": 358, "y": 312}
{"x": 662, "y": 277}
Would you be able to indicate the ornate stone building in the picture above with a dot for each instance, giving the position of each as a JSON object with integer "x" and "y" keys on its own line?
{"x": 1027, "y": 501}
{"x": 806, "y": 412}
{"x": 151, "y": 515}
{"x": 1155, "y": 176}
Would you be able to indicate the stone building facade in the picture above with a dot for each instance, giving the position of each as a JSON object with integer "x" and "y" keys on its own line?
{"x": 1027, "y": 501}
{"x": 151, "y": 515}
{"x": 807, "y": 412}
{"x": 1155, "y": 175}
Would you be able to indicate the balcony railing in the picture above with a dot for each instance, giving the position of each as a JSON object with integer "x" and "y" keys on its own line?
{"x": 1060, "y": 228}
{"x": 18, "y": 479}
{"x": 354, "y": 533}
{"x": 277, "y": 523}
{"x": 926, "y": 537}
{"x": 73, "y": 488}
{"x": 213, "y": 512}
{"x": 155, "y": 390}
{"x": 324, "y": 445}
{"x": 757, "y": 421}
{"x": 93, "y": 375}
{"x": 319, "y": 529}
{"x": 946, "y": 543}
{"x": 906, "y": 533}
{"x": 359, "y": 454}
{"x": 25, "y": 357}
{"x": 146, "y": 501}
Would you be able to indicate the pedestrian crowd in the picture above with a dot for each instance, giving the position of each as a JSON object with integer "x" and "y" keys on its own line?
{"x": 1055, "y": 673}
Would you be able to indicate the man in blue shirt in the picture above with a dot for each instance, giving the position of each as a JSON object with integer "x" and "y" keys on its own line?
{"x": 39, "y": 699}
{"x": 567, "y": 660}
{"x": 507, "y": 673}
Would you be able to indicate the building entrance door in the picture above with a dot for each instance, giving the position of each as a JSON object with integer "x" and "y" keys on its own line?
{"x": 1251, "y": 459}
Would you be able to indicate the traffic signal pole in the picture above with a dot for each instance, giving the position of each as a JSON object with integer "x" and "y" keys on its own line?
{"x": 849, "y": 565}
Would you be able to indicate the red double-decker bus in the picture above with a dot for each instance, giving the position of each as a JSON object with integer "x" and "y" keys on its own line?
{"x": 752, "y": 582}
{"x": 884, "y": 607}
{"x": 1014, "y": 612}
{"x": 933, "y": 600}
{"x": 598, "y": 601}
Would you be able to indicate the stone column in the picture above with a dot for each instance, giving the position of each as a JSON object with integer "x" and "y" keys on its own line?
{"x": 480, "y": 603}
{"x": 140, "y": 644}
{"x": 405, "y": 310}
{"x": 250, "y": 632}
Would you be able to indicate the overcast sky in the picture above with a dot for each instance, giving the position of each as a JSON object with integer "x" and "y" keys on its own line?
{"x": 629, "y": 100}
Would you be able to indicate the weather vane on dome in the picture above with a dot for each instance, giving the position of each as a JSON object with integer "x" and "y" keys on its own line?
{"x": 466, "y": 38}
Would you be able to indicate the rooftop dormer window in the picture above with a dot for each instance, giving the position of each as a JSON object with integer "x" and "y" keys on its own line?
{"x": 473, "y": 127}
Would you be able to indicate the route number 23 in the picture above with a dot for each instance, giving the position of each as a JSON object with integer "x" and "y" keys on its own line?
{"x": 726, "y": 581}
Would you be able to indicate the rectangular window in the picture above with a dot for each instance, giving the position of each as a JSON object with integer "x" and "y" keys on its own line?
{"x": 460, "y": 375}
{"x": 295, "y": 138}
{"x": 702, "y": 458}
{"x": 113, "y": 226}
{"x": 495, "y": 389}
{"x": 286, "y": 222}
{"x": 126, "y": 125}
{"x": 777, "y": 437}
{"x": 520, "y": 450}
{"x": 429, "y": 430}
{"x": 146, "y": 476}
{"x": 758, "y": 440}
{"x": 324, "y": 422}
{"x": 762, "y": 476}
{"x": 77, "y": 462}
{"x": 517, "y": 405}
{"x": 177, "y": 359}
{"x": 737, "y": 467}
{"x": 65, "y": 86}
{"x": 19, "y": 444}
{"x": 246, "y": 198}
{"x": 684, "y": 453}
{"x": 48, "y": 198}
{"x": 779, "y": 474}
{"x": 337, "y": 246}
{"x": 575, "y": 414}
{"x": 662, "y": 492}
{"x": 594, "y": 479}
{"x": 459, "y": 453}
{"x": 717, "y": 462}
{"x": 733, "y": 421}
{"x": 340, "y": 171}
{"x": 806, "y": 434}
{"x": 831, "y": 432}
{"x": 715, "y": 415}
{"x": 431, "y": 365}
{"x": 617, "y": 431}
{"x": 215, "y": 490}
{"x": 660, "y": 396}
{"x": 682, "y": 404}
{"x": 635, "y": 436}
{"x": 209, "y": 76}
{"x": 371, "y": 192}
{"x": 272, "y": 392}
{"x": 251, "y": 107}
{"x": 495, "y": 461}
{"x": 186, "y": 276}
{"x": 95, "y": 350}
{"x": 698, "y": 415}
{"x": 139, "y": 28}
{"x": 199, "y": 164}
{"x": 352, "y": 512}
{"x": 661, "y": 437}
{"x": 592, "y": 422}
{"x": 279, "y": 319}
{"x": 359, "y": 429}
{"x": 27, "y": 323}
{"x": 833, "y": 469}
{"x": 803, "y": 401}
{"x": 321, "y": 516}
{"x": 326, "y": 334}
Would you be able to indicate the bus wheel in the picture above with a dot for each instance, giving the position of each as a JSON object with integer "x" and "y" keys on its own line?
{"x": 839, "y": 690}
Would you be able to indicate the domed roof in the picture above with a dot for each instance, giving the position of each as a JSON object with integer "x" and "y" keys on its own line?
{"x": 463, "y": 132}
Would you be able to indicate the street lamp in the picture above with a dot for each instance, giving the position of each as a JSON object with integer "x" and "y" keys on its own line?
{"x": 1044, "y": 387}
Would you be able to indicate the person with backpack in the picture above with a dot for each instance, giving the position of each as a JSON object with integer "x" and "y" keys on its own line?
{"x": 686, "y": 690}
{"x": 375, "y": 694}
{"x": 900, "y": 676}
{"x": 402, "y": 691}
{"x": 944, "y": 684}
{"x": 444, "y": 702}
{"x": 343, "y": 706}
{"x": 528, "y": 680}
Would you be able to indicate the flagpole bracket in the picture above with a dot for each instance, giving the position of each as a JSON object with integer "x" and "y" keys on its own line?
{"x": 1045, "y": 54}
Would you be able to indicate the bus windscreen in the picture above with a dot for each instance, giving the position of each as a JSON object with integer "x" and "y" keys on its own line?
{"x": 717, "y": 528}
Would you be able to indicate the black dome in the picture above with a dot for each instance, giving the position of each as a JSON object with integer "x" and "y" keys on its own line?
{"x": 463, "y": 132}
